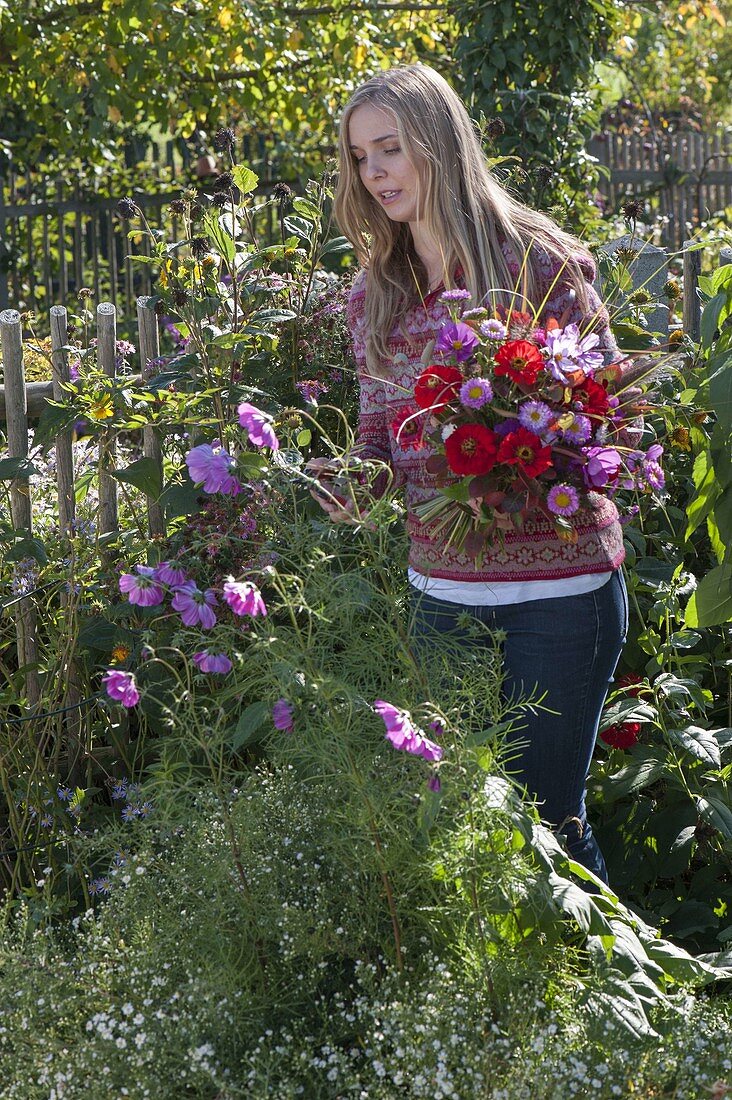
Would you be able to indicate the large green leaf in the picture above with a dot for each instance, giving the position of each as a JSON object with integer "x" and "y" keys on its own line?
{"x": 717, "y": 811}
{"x": 144, "y": 474}
{"x": 698, "y": 742}
{"x": 711, "y": 604}
{"x": 249, "y": 726}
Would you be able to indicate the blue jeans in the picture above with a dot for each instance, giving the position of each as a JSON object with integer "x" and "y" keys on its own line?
{"x": 568, "y": 648}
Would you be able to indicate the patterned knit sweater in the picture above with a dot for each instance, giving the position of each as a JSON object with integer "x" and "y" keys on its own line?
{"x": 532, "y": 554}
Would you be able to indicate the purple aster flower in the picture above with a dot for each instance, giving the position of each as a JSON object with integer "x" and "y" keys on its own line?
{"x": 476, "y": 392}
{"x": 535, "y": 415}
{"x": 74, "y": 371}
{"x": 562, "y": 500}
{"x": 121, "y": 686}
{"x": 311, "y": 389}
{"x": 457, "y": 339}
{"x": 579, "y": 431}
{"x": 211, "y": 467}
{"x": 258, "y": 425}
{"x": 119, "y": 791}
{"x": 603, "y": 464}
{"x": 129, "y": 813}
{"x": 46, "y": 821}
{"x": 212, "y": 662}
{"x": 168, "y": 573}
{"x": 244, "y": 598}
{"x": 195, "y": 606}
{"x": 64, "y": 793}
{"x": 282, "y": 713}
{"x": 494, "y": 330}
{"x": 142, "y": 589}
{"x": 456, "y": 295}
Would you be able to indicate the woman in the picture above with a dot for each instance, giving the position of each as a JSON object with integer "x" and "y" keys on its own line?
{"x": 425, "y": 215}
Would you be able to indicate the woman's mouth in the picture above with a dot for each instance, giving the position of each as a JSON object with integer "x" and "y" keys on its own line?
{"x": 388, "y": 196}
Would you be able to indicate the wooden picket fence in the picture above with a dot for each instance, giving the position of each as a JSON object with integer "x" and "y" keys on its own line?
{"x": 685, "y": 176}
{"x": 22, "y": 402}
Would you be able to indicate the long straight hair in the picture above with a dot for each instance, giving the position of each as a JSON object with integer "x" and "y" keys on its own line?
{"x": 459, "y": 202}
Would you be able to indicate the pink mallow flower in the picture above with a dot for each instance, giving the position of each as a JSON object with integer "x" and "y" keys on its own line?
{"x": 404, "y": 735}
{"x": 282, "y": 713}
{"x": 212, "y": 662}
{"x": 143, "y": 589}
{"x": 244, "y": 598}
{"x": 121, "y": 686}
{"x": 258, "y": 425}
{"x": 168, "y": 573}
{"x": 195, "y": 606}
{"x": 211, "y": 467}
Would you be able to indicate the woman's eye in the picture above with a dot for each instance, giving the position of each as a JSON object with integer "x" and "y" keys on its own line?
{"x": 395, "y": 150}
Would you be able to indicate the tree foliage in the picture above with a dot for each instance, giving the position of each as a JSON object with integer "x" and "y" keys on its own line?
{"x": 79, "y": 77}
{"x": 533, "y": 65}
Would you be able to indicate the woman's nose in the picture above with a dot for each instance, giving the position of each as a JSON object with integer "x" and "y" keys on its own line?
{"x": 374, "y": 169}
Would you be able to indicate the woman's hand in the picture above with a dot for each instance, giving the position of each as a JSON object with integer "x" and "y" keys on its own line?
{"x": 339, "y": 508}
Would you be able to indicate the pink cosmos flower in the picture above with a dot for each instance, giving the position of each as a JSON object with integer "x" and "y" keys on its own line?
{"x": 403, "y": 734}
{"x": 602, "y": 466}
{"x": 195, "y": 606}
{"x": 211, "y": 467}
{"x": 168, "y": 573}
{"x": 212, "y": 662}
{"x": 258, "y": 425}
{"x": 244, "y": 598}
{"x": 282, "y": 713}
{"x": 457, "y": 339}
{"x": 121, "y": 686}
{"x": 142, "y": 589}
{"x": 566, "y": 353}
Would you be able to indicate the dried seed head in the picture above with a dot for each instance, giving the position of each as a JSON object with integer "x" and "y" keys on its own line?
{"x": 178, "y": 207}
{"x": 633, "y": 209}
{"x": 495, "y": 128}
{"x": 127, "y": 209}
{"x": 199, "y": 247}
{"x": 84, "y": 292}
{"x": 672, "y": 290}
{"x": 224, "y": 139}
{"x": 224, "y": 182}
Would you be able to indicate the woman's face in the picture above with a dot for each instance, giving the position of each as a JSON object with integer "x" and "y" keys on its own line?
{"x": 382, "y": 165}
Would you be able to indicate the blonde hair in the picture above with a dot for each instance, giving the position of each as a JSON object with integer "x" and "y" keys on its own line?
{"x": 459, "y": 201}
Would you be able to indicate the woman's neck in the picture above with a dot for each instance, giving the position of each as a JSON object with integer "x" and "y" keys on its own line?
{"x": 431, "y": 253}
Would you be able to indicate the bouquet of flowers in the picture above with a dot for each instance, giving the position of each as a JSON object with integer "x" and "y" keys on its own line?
{"x": 523, "y": 419}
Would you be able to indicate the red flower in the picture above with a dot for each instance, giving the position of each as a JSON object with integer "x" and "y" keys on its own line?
{"x": 623, "y": 736}
{"x": 526, "y": 450}
{"x": 406, "y": 428}
{"x": 520, "y": 360}
{"x": 471, "y": 449}
{"x": 437, "y": 386}
{"x": 629, "y": 680}
{"x": 592, "y": 397}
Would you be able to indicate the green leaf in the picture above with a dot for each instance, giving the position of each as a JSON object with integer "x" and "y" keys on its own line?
{"x": 180, "y": 498}
{"x": 28, "y": 546}
{"x": 717, "y": 812}
{"x": 578, "y": 905}
{"x": 711, "y": 604}
{"x": 633, "y": 777}
{"x": 103, "y": 635}
{"x": 212, "y": 226}
{"x": 144, "y": 474}
{"x": 714, "y": 312}
{"x": 16, "y": 469}
{"x": 306, "y": 208}
{"x": 228, "y": 339}
{"x": 707, "y": 491}
{"x": 480, "y": 737}
{"x": 336, "y": 245}
{"x": 303, "y": 437}
{"x": 627, "y": 710}
{"x": 698, "y": 742}
{"x": 244, "y": 178}
{"x": 678, "y": 964}
{"x": 250, "y": 722}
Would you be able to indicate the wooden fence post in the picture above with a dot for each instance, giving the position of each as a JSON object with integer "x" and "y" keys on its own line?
{"x": 74, "y": 723}
{"x": 150, "y": 349}
{"x": 106, "y": 354}
{"x": 692, "y": 305}
{"x": 16, "y": 414}
{"x": 64, "y": 449}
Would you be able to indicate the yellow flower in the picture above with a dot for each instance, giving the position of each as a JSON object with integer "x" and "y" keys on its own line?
{"x": 120, "y": 653}
{"x": 102, "y": 409}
